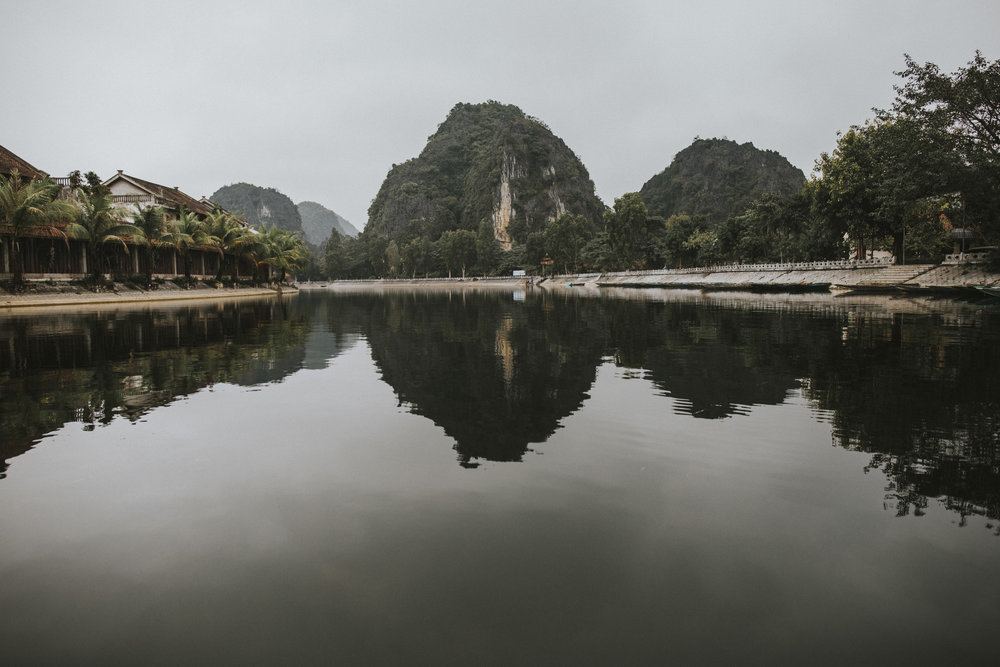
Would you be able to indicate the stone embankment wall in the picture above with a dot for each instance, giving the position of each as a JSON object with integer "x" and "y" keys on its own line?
{"x": 956, "y": 271}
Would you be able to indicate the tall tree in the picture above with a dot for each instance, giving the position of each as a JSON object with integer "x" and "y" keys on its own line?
{"x": 873, "y": 182}
{"x": 283, "y": 250}
{"x": 229, "y": 234}
{"x": 99, "y": 224}
{"x": 416, "y": 256}
{"x": 150, "y": 222}
{"x": 28, "y": 205}
{"x": 375, "y": 246}
{"x": 625, "y": 225}
{"x": 186, "y": 233}
{"x": 458, "y": 249}
{"x": 962, "y": 106}
{"x": 676, "y": 248}
{"x": 959, "y": 112}
{"x": 487, "y": 248}
{"x": 334, "y": 258}
{"x": 564, "y": 240}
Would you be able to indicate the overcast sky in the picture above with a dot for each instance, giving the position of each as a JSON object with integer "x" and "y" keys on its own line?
{"x": 319, "y": 99}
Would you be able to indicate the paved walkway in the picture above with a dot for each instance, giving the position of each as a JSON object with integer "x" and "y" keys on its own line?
{"x": 42, "y": 296}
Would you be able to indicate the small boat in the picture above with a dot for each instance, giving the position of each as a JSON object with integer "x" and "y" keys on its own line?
{"x": 989, "y": 291}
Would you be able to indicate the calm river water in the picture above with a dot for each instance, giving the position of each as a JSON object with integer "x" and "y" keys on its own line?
{"x": 497, "y": 477}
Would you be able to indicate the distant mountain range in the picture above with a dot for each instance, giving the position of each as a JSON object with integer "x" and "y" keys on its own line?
{"x": 318, "y": 220}
{"x": 267, "y": 206}
{"x": 491, "y": 162}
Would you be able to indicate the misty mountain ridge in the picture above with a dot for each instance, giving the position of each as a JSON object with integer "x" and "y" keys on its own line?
{"x": 261, "y": 206}
{"x": 318, "y": 221}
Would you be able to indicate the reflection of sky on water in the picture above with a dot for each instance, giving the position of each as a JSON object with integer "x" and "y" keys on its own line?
{"x": 221, "y": 534}
{"x": 322, "y": 519}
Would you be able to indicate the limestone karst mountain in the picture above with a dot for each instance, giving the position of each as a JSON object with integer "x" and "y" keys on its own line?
{"x": 318, "y": 220}
{"x": 259, "y": 206}
{"x": 718, "y": 178}
{"x": 486, "y": 162}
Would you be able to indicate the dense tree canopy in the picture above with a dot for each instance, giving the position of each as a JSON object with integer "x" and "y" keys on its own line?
{"x": 960, "y": 113}
{"x": 928, "y": 164}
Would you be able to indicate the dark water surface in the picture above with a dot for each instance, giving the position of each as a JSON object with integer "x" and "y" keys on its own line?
{"x": 502, "y": 478}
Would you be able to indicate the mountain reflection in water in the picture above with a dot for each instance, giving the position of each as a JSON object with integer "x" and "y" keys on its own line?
{"x": 660, "y": 477}
{"x": 912, "y": 383}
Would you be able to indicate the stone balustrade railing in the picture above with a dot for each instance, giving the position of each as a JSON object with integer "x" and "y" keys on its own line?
{"x": 837, "y": 265}
{"x": 133, "y": 199}
{"x": 966, "y": 258}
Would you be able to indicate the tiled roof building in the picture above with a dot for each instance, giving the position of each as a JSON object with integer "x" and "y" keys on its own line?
{"x": 129, "y": 190}
{"x": 10, "y": 163}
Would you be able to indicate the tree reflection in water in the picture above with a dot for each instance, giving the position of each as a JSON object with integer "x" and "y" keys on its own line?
{"x": 912, "y": 383}
{"x": 916, "y": 389}
{"x": 61, "y": 367}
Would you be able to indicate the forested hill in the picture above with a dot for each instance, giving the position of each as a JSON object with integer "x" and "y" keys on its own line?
{"x": 318, "y": 220}
{"x": 259, "y": 206}
{"x": 487, "y": 164}
{"x": 717, "y": 179}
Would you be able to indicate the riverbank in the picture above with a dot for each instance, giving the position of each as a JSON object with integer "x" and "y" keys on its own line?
{"x": 52, "y": 295}
{"x": 954, "y": 276}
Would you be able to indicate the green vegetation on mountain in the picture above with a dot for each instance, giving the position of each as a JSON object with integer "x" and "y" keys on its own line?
{"x": 318, "y": 221}
{"x": 259, "y": 206}
{"x": 494, "y": 190}
{"x": 716, "y": 179}
{"x": 486, "y": 162}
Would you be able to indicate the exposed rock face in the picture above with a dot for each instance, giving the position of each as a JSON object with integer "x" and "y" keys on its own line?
{"x": 259, "y": 206}
{"x": 503, "y": 210}
{"x": 718, "y": 178}
{"x": 486, "y": 163}
{"x": 318, "y": 221}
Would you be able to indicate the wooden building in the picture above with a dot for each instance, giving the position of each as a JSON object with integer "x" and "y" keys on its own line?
{"x": 48, "y": 253}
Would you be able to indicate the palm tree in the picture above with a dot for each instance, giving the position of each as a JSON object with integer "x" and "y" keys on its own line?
{"x": 98, "y": 223}
{"x": 230, "y": 234}
{"x": 151, "y": 223}
{"x": 185, "y": 233}
{"x": 284, "y": 250}
{"x": 28, "y": 205}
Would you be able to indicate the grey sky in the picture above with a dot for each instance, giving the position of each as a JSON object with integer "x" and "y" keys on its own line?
{"x": 319, "y": 99}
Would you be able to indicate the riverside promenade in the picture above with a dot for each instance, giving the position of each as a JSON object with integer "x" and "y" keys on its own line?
{"x": 967, "y": 270}
{"x": 960, "y": 273}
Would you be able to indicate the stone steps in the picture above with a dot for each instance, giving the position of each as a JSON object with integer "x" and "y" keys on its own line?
{"x": 897, "y": 275}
